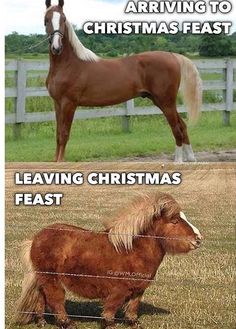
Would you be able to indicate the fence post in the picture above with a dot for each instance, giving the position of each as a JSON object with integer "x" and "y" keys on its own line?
{"x": 21, "y": 97}
{"x": 126, "y": 119}
{"x": 229, "y": 93}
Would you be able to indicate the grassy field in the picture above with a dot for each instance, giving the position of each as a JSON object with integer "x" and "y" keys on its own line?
{"x": 194, "y": 291}
{"x": 104, "y": 138}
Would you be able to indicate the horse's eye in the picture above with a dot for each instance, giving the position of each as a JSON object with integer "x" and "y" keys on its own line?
{"x": 174, "y": 220}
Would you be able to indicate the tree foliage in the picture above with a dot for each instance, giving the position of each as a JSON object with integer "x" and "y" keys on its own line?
{"x": 120, "y": 45}
{"x": 215, "y": 46}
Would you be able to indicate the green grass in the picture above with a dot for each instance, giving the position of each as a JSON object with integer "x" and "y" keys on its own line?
{"x": 104, "y": 139}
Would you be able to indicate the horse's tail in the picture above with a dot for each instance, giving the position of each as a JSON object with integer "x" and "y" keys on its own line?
{"x": 30, "y": 294}
{"x": 191, "y": 87}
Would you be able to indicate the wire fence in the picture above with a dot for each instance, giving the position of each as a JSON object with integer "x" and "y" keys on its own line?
{"x": 82, "y": 230}
{"x": 110, "y": 275}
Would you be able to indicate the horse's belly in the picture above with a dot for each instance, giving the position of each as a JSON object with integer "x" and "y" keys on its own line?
{"x": 94, "y": 101}
{"x": 86, "y": 287}
{"x": 107, "y": 93}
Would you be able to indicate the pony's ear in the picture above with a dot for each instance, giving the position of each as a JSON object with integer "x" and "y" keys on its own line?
{"x": 48, "y": 3}
{"x": 61, "y": 3}
{"x": 162, "y": 210}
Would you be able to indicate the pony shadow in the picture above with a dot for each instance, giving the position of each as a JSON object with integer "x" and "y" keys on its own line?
{"x": 92, "y": 311}
{"x": 86, "y": 311}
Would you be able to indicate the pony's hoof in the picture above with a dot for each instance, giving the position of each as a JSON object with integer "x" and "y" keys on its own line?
{"x": 107, "y": 325}
{"x": 68, "y": 324}
{"x": 134, "y": 325}
{"x": 41, "y": 323}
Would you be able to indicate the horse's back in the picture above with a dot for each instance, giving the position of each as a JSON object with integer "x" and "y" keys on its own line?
{"x": 54, "y": 243}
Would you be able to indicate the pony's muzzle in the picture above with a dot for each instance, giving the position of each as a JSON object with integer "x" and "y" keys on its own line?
{"x": 198, "y": 241}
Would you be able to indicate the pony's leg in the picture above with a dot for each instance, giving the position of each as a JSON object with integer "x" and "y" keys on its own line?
{"x": 187, "y": 148}
{"x": 55, "y": 300}
{"x": 39, "y": 310}
{"x": 66, "y": 116}
{"x": 111, "y": 305}
{"x": 131, "y": 311}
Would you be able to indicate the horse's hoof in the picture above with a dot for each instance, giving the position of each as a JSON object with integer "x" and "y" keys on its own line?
{"x": 107, "y": 325}
{"x": 68, "y": 324}
{"x": 134, "y": 325}
{"x": 41, "y": 323}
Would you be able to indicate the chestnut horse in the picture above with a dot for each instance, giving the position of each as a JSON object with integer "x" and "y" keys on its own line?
{"x": 77, "y": 77}
{"x": 111, "y": 265}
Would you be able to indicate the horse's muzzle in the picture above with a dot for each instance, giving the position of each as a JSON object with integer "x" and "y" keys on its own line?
{"x": 197, "y": 243}
{"x": 56, "y": 51}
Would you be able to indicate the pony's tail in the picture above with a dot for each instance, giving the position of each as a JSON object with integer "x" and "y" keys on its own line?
{"x": 30, "y": 294}
{"x": 191, "y": 87}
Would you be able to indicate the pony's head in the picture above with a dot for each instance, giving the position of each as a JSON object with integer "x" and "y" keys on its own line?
{"x": 177, "y": 234}
{"x": 55, "y": 23}
{"x": 157, "y": 216}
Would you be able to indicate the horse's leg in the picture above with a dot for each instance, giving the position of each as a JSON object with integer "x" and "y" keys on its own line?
{"x": 57, "y": 111}
{"x": 55, "y": 300}
{"x": 67, "y": 110}
{"x": 111, "y": 305}
{"x": 179, "y": 129}
{"x": 171, "y": 114}
{"x": 131, "y": 311}
{"x": 187, "y": 148}
{"x": 39, "y": 310}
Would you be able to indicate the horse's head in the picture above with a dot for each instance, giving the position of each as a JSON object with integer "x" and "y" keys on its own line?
{"x": 55, "y": 22}
{"x": 157, "y": 215}
{"x": 179, "y": 235}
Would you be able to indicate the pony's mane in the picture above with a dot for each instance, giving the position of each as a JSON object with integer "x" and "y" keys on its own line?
{"x": 138, "y": 217}
{"x": 82, "y": 52}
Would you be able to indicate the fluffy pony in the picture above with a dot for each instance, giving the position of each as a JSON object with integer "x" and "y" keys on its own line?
{"x": 137, "y": 218}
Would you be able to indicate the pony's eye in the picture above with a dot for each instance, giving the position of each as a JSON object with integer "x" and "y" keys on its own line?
{"x": 174, "y": 220}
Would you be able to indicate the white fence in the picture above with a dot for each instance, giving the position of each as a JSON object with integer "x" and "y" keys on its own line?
{"x": 21, "y": 70}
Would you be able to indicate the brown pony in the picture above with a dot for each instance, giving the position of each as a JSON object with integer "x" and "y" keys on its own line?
{"x": 115, "y": 265}
{"x": 78, "y": 77}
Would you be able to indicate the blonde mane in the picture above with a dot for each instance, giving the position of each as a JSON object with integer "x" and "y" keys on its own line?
{"x": 82, "y": 52}
{"x": 138, "y": 217}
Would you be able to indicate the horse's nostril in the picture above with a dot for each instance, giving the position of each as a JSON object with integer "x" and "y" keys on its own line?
{"x": 56, "y": 50}
{"x": 198, "y": 242}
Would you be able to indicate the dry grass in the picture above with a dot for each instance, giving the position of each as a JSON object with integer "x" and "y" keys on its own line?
{"x": 192, "y": 291}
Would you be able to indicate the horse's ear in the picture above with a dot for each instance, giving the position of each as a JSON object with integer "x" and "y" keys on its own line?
{"x": 48, "y": 3}
{"x": 163, "y": 210}
{"x": 61, "y": 3}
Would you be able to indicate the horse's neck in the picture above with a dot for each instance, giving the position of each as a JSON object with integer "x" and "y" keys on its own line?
{"x": 67, "y": 54}
{"x": 149, "y": 246}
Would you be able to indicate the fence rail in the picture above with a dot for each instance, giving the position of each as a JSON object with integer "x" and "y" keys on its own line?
{"x": 20, "y": 71}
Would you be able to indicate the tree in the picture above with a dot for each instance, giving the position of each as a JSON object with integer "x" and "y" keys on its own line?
{"x": 215, "y": 45}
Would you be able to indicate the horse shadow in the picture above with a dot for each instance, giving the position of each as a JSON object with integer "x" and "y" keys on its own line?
{"x": 91, "y": 311}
